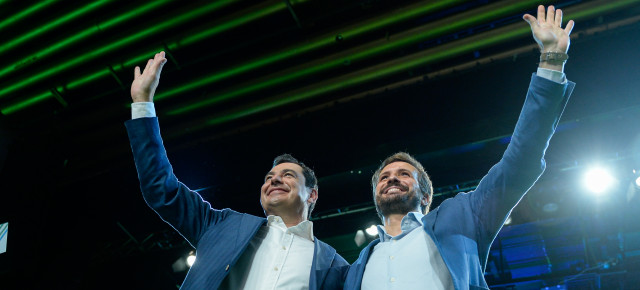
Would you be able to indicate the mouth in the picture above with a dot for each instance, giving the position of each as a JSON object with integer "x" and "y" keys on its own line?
{"x": 276, "y": 191}
{"x": 393, "y": 190}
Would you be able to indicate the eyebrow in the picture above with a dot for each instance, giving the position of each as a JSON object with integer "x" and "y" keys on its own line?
{"x": 283, "y": 171}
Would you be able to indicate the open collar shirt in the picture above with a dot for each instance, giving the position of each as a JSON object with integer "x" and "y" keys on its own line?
{"x": 409, "y": 260}
{"x": 277, "y": 258}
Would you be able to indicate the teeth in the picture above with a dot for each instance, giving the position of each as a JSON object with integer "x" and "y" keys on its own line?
{"x": 395, "y": 189}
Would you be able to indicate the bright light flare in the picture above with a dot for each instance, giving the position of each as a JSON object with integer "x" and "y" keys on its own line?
{"x": 372, "y": 231}
{"x": 190, "y": 260}
{"x": 638, "y": 181}
{"x": 598, "y": 180}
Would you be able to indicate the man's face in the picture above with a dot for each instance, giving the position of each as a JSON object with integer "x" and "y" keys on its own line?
{"x": 284, "y": 191}
{"x": 398, "y": 190}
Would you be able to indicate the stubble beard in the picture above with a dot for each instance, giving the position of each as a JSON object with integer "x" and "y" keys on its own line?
{"x": 397, "y": 203}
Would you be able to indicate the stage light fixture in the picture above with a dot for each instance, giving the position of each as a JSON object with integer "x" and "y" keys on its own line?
{"x": 191, "y": 259}
{"x": 598, "y": 180}
{"x": 372, "y": 231}
{"x": 638, "y": 181}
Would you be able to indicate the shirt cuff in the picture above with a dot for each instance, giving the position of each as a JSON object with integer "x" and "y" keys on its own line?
{"x": 142, "y": 110}
{"x": 552, "y": 75}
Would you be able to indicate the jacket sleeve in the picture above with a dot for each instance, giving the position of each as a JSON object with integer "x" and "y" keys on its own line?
{"x": 175, "y": 203}
{"x": 523, "y": 161}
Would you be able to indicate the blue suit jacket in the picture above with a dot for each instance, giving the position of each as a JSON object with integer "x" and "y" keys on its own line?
{"x": 463, "y": 227}
{"x": 220, "y": 236}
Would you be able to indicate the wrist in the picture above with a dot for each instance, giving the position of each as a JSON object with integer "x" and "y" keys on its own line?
{"x": 553, "y": 60}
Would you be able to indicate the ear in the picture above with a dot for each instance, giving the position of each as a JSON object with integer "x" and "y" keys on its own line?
{"x": 313, "y": 196}
{"x": 424, "y": 200}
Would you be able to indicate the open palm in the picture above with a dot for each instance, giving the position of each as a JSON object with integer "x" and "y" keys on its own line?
{"x": 145, "y": 83}
{"x": 547, "y": 29}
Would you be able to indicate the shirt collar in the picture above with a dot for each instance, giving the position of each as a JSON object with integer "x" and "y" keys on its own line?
{"x": 303, "y": 229}
{"x": 409, "y": 222}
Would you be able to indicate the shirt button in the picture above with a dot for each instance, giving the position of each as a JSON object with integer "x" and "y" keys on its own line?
{"x": 390, "y": 257}
{"x": 275, "y": 268}
{"x": 393, "y": 279}
{"x": 284, "y": 248}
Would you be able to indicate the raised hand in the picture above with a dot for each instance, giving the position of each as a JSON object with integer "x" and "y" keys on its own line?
{"x": 547, "y": 30}
{"x": 144, "y": 84}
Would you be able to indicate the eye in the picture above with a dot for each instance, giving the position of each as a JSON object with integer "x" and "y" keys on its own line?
{"x": 383, "y": 178}
{"x": 289, "y": 174}
{"x": 406, "y": 174}
{"x": 267, "y": 178}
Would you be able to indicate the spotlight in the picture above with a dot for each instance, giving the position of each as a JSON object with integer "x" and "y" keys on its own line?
{"x": 598, "y": 180}
{"x": 190, "y": 260}
{"x": 372, "y": 230}
{"x": 638, "y": 181}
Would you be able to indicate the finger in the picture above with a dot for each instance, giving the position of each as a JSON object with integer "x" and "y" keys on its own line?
{"x": 149, "y": 63}
{"x": 540, "y": 13}
{"x": 569, "y": 27}
{"x": 558, "y": 18}
{"x": 158, "y": 64}
{"x": 136, "y": 72}
{"x": 529, "y": 19}
{"x": 550, "y": 14}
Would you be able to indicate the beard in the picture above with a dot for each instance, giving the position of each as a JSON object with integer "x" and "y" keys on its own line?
{"x": 402, "y": 203}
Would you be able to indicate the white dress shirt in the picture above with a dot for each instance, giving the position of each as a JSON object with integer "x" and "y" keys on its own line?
{"x": 276, "y": 258}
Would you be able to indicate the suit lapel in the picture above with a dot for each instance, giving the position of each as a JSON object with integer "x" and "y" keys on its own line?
{"x": 323, "y": 256}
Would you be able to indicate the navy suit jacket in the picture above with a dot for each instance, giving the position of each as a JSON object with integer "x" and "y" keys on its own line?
{"x": 463, "y": 227}
{"x": 220, "y": 236}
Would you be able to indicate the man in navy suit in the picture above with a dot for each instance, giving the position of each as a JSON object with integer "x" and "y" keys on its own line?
{"x": 447, "y": 248}
{"x": 234, "y": 250}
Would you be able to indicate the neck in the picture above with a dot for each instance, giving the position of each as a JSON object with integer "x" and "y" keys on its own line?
{"x": 290, "y": 219}
{"x": 392, "y": 224}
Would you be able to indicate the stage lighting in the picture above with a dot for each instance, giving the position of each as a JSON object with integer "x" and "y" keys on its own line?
{"x": 638, "y": 181}
{"x": 191, "y": 259}
{"x": 598, "y": 180}
{"x": 372, "y": 231}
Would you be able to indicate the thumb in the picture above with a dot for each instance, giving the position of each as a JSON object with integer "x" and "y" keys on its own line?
{"x": 529, "y": 19}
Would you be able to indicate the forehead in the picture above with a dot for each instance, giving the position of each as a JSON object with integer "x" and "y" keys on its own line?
{"x": 287, "y": 166}
{"x": 398, "y": 165}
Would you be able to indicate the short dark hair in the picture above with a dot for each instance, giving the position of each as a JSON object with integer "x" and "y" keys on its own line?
{"x": 310, "y": 179}
{"x": 426, "y": 188}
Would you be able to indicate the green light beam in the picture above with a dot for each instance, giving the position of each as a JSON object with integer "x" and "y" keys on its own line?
{"x": 80, "y": 36}
{"x": 425, "y": 58}
{"x": 45, "y": 28}
{"x": 359, "y": 77}
{"x": 319, "y": 42}
{"x": 17, "y": 17}
{"x": 357, "y": 54}
{"x": 113, "y": 46}
{"x": 143, "y": 57}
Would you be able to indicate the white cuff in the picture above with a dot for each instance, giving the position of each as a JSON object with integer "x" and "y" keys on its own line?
{"x": 552, "y": 75}
{"x": 142, "y": 110}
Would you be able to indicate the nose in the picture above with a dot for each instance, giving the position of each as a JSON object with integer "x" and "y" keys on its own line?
{"x": 392, "y": 179}
{"x": 276, "y": 179}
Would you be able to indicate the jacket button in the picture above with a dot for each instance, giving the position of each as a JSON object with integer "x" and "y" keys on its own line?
{"x": 227, "y": 268}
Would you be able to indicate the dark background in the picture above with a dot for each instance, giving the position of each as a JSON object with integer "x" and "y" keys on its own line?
{"x": 68, "y": 186}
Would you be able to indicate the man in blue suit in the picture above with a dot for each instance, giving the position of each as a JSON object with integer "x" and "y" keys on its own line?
{"x": 234, "y": 250}
{"x": 447, "y": 248}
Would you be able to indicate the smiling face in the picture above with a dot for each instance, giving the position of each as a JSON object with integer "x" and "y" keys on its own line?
{"x": 398, "y": 190}
{"x": 284, "y": 192}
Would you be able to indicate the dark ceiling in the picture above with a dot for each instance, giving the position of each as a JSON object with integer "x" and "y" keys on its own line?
{"x": 338, "y": 84}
